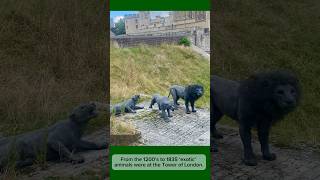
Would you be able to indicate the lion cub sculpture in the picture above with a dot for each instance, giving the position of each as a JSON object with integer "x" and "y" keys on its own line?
{"x": 163, "y": 105}
{"x": 259, "y": 101}
{"x": 60, "y": 141}
{"x": 128, "y": 106}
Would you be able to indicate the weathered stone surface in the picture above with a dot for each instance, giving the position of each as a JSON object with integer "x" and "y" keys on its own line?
{"x": 183, "y": 129}
{"x": 131, "y": 41}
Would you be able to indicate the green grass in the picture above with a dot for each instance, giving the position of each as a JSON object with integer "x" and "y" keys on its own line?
{"x": 52, "y": 58}
{"x": 151, "y": 70}
{"x": 252, "y": 36}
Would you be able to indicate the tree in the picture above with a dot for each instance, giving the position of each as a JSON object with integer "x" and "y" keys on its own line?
{"x": 119, "y": 28}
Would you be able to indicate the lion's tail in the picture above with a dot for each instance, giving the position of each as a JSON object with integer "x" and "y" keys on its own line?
{"x": 169, "y": 93}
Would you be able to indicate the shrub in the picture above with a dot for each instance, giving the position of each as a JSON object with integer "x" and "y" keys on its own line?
{"x": 184, "y": 41}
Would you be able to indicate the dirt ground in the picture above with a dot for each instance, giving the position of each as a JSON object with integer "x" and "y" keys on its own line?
{"x": 94, "y": 167}
{"x": 290, "y": 164}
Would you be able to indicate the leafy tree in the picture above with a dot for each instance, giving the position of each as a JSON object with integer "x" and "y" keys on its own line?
{"x": 119, "y": 28}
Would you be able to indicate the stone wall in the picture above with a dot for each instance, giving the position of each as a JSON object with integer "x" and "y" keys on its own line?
{"x": 128, "y": 41}
{"x": 201, "y": 39}
{"x": 198, "y": 37}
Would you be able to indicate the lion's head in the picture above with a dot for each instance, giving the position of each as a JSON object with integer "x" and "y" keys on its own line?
{"x": 135, "y": 98}
{"x": 195, "y": 90}
{"x": 169, "y": 106}
{"x": 83, "y": 113}
{"x": 278, "y": 92}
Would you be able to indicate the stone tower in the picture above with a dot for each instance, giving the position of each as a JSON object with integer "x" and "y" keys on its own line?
{"x": 144, "y": 19}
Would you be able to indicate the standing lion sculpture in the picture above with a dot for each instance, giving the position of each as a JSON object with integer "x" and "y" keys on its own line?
{"x": 259, "y": 101}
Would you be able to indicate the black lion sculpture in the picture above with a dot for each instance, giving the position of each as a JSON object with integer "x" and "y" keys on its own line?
{"x": 259, "y": 101}
{"x": 128, "y": 106}
{"x": 163, "y": 105}
{"x": 59, "y": 141}
{"x": 190, "y": 94}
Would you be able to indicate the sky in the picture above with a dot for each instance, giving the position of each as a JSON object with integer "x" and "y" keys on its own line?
{"x": 117, "y": 15}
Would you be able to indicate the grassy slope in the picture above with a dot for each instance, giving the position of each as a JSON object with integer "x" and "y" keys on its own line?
{"x": 251, "y": 36}
{"x": 52, "y": 56}
{"x": 152, "y": 70}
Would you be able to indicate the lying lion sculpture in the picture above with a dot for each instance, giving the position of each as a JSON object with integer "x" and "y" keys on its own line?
{"x": 60, "y": 141}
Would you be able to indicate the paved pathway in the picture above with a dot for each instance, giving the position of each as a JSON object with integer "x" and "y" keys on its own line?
{"x": 183, "y": 129}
